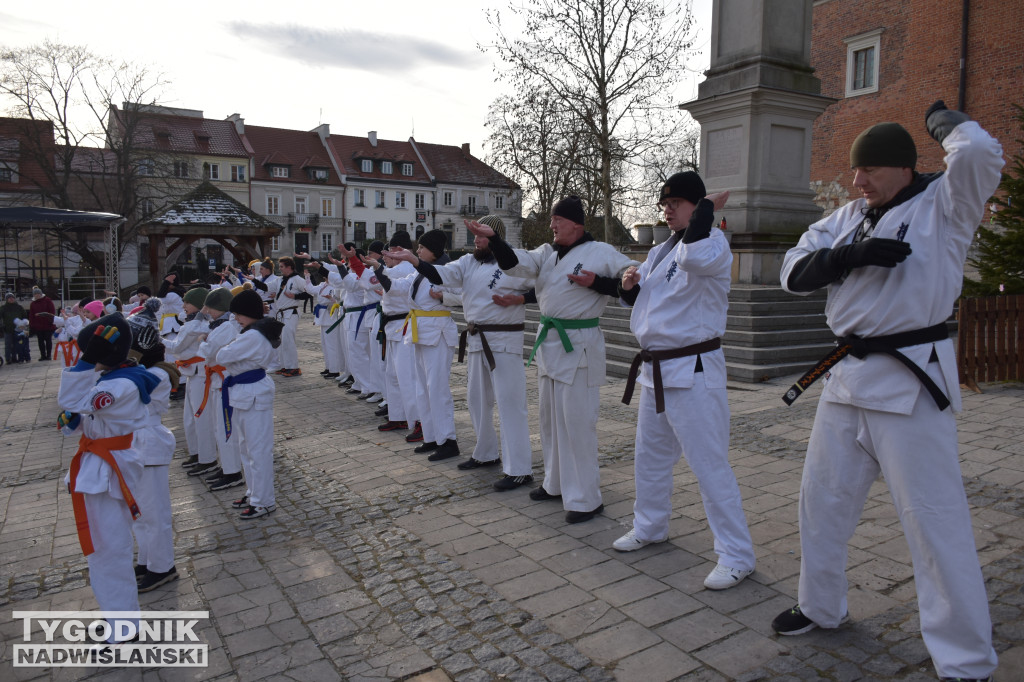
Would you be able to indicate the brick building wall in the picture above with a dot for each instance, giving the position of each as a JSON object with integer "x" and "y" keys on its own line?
{"x": 919, "y": 58}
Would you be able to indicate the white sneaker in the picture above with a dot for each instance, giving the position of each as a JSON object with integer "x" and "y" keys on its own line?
{"x": 630, "y": 542}
{"x": 724, "y": 577}
{"x": 375, "y": 398}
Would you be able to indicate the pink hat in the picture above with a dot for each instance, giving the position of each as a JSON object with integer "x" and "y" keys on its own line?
{"x": 96, "y": 308}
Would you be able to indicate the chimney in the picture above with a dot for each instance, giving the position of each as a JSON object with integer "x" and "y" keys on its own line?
{"x": 465, "y": 148}
{"x": 373, "y": 137}
{"x": 323, "y": 131}
{"x": 239, "y": 123}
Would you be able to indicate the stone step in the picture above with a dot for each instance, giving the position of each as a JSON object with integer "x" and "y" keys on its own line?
{"x": 777, "y": 337}
{"x": 774, "y": 322}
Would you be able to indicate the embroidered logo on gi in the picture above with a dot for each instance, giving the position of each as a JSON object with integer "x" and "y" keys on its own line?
{"x": 101, "y": 400}
{"x": 494, "y": 278}
{"x": 576, "y": 271}
{"x": 671, "y": 271}
{"x": 373, "y": 279}
{"x": 902, "y": 232}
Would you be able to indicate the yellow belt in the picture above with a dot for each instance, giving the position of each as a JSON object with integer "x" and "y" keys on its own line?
{"x": 413, "y": 314}
{"x": 165, "y": 316}
{"x": 333, "y": 309}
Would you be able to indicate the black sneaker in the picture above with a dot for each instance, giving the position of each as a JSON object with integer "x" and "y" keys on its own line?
{"x": 332, "y": 375}
{"x": 252, "y": 512}
{"x": 445, "y": 450}
{"x": 512, "y": 482}
{"x": 581, "y": 516}
{"x": 325, "y": 372}
{"x": 151, "y": 580}
{"x": 794, "y": 622}
{"x": 382, "y": 412}
{"x": 213, "y": 475}
{"x": 140, "y": 571}
{"x": 425, "y": 447}
{"x": 416, "y": 435}
{"x": 226, "y": 481}
{"x": 539, "y": 494}
{"x": 190, "y": 461}
{"x": 392, "y": 426}
{"x": 241, "y": 503}
{"x": 203, "y": 469}
{"x": 472, "y": 463}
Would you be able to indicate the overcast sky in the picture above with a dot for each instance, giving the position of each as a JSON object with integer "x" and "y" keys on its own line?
{"x": 397, "y": 67}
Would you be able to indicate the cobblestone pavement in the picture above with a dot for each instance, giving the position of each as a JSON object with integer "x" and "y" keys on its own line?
{"x": 380, "y": 565}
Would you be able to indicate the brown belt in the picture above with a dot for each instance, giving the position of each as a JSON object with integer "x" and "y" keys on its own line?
{"x": 655, "y": 357}
{"x": 472, "y": 328}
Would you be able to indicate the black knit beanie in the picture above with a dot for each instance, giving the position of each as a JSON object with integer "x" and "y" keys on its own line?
{"x": 118, "y": 352}
{"x": 884, "y": 144}
{"x": 686, "y": 185}
{"x": 570, "y": 208}
{"x": 435, "y": 241}
{"x": 248, "y": 303}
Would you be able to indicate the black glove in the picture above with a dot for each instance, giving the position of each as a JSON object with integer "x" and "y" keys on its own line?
{"x": 259, "y": 284}
{"x": 885, "y": 253}
{"x": 700, "y": 222}
{"x": 940, "y": 121}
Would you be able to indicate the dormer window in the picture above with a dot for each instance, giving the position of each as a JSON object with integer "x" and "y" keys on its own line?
{"x": 318, "y": 174}
{"x": 367, "y": 166}
{"x": 279, "y": 171}
{"x": 385, "y": 167}
{"x": 406, "y": 169}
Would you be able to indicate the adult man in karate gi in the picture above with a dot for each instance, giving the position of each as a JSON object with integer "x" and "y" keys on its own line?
{"x": 680, "y": 296}
{"x": 893, "y": 264}
{"x": 574, "y": 277}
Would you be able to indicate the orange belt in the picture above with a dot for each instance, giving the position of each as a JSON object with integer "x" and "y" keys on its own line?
{"x": 210, "y": 371}
{"x": 70, "y": 351}
{"x": 194, "y": 360}
{"x": 101, "y": 447}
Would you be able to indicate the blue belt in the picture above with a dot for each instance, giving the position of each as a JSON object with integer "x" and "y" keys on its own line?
{"x": 249, "y": 377}
{"x": 316, "y": 310}
{"x": 362, "y": 313}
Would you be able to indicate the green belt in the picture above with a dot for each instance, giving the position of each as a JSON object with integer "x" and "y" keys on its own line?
{"x": 344, "y": 311}
{"x": 560, "y": 326}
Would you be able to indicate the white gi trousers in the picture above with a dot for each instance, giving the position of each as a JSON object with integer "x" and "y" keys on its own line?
{"x": 695, "y": 424}
{"x": 339, "y": 341}
{"x": 918, "y": 456}
{"x": 332, "y": 356}
{"x": 434, "y": 403}
{"x": 392, "y": 389}
{"x": 568, "y": 436}
{"x": 404, "y": 357}
{"x": 506, "y": 385}
{"x": 111, "y": 574}
{"x": 358, "y": 354}
{"x": 229, "y": 450}
{"x": 256, "y": 427}
{"x": 199, "y": 431}
{"x": 288, "y": 352}
{"x": 153, "y": 530}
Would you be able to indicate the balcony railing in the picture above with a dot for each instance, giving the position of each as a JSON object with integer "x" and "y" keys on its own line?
{"x": 303, "y": 220}
{"x": 474, "y": 209}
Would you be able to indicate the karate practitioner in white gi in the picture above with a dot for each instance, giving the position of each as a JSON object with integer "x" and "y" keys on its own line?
{"x": 288, "y": 312}
{"x": 574, "y": 278}
{"x": 680, "y": 296}
{"x": 893, "y": 264}
{"x": 498, "y": 374}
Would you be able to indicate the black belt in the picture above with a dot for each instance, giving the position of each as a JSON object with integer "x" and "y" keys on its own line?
{"x": 294, "y": 309}
{"x": 861, "y": 348}
{"x": 655, "y": 357}
{"x": 472, "y": 329}
{"x": 382, "y": 338}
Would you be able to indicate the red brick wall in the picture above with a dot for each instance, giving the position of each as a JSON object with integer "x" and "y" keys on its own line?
{"x": 919, "y": 63}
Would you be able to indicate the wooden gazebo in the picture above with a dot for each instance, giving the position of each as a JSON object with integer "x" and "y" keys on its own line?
{"x": 207, "y": 213}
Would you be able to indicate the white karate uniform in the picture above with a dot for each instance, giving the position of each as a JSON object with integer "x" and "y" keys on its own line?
{"x": 356, "y": 359}
{"x": 171, "y": 312}
{"x": 568, "y": 382}
{"x": 335, "y": 335}
{"x": 108, "y": 409}
{"x": 874, "y": 416}
{"x": 229, "y": 450}
{"x": 253, "y": 412}
{"x": 433, "y": 346}
{"x": 199, "y": 431}
{"x": 288, "y": 311}
{"x": 323, "y": 294}
{"x": 683, "y": 299}
{"x": 506, "y": 384}
{"x": 399, "y": 362}
{"x": 154, "y": 532}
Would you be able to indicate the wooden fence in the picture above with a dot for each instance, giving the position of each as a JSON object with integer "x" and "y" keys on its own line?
{"x": 991, "y": 329}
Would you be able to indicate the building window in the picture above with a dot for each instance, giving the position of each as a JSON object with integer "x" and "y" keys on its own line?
{"x": 359, "y": 197}
{"x": 275, "y": 243}
{"x": 862, "y": 54}
{"x": 326, "y": 241}
{"x": 401, "y": 227}
{"x": 448, "y": 199}
{"x": 181, "y": 169}
{"x": 327, "y": 208}
{"x": 378, "y": 198}
{"x": 471, "y": 204}
{"x": 359, "y": 234}
{"x": 470, "y": 239}
{"x": 399, "y": 199}
{"x": 421, "y": 200}
{"x": 145, "y": 167}
{"x": 273, "y": 205}
{"x": 279, "y": 171}
{"x": 8, "y": 171}
{"x": 300, "y": 204}
{"x": 367, "y": 166}
{"x": 499, "y": 202}
{"x": 237, "y": 173}
{"x": 320, "y": 175}
{"x": 406, "y": 169}
{"x": 380, "y": 231}
{"x": 147, "y": 207}
{"x": 211, "y": 171}
{"x": 385, "y": 167}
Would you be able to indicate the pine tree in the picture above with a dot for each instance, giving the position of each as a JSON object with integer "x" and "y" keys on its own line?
{"x": 1000, "y": 260}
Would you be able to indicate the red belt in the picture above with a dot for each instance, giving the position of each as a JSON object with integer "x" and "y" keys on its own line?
{"x": 101, "y": 447}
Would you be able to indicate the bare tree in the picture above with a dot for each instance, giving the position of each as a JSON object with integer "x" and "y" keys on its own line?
{"x": 611, "y": 63}
{"x": 70, "y": 91}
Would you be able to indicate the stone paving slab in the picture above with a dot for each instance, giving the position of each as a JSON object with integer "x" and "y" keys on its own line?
{"x": 380, "y": 565}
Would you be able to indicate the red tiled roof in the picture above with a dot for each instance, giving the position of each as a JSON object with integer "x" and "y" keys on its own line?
{"x": 183, "y": 134}
{"x": 298, "y": 149}
{"x": 350, "y": 150}
{"x": 451, "y": 164}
